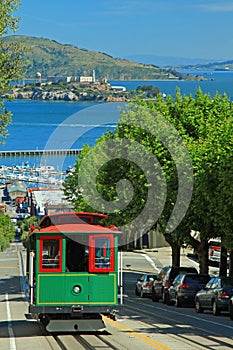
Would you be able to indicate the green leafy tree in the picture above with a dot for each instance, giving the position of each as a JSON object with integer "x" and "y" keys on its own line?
{"x": 7, "y": 231}
{"x": 205, "y": 125}
{"x": 11, "y": 65}
{"x": 25, "y": 226}
{"x": 11, "y": 69}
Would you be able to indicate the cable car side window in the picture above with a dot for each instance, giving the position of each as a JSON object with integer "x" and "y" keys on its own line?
{"x": 51, "y": 254}
{"x": 101, "y": 253}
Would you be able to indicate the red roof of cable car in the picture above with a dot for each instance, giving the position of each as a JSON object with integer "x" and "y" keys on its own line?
{"x": 77, "y": 213}
{"x": 77, "y": 228}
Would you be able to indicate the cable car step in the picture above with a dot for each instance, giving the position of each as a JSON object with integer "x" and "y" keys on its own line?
{"x": 76, "y": 325}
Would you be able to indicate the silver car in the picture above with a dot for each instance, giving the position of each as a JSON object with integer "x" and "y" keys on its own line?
{"x": 144, "y": 285}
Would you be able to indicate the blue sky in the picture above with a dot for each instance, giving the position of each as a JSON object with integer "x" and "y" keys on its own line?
{"x": 122, "y": 28}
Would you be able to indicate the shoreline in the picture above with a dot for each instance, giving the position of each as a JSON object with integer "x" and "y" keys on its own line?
{"x": 93, "y": 92}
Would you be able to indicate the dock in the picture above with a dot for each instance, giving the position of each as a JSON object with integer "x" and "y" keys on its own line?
{"x": 38, "y": 152}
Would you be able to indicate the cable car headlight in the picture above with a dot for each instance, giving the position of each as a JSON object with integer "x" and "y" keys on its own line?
{"x": 77, "y": 289}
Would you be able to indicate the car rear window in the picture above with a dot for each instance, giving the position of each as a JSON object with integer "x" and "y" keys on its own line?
{"x": 215, "y": 243}
{"x": 182, "y": 270}
{"x": 151, "y": 276}
{"x": 197, "y": 279}
{"x": 227, "y": 282}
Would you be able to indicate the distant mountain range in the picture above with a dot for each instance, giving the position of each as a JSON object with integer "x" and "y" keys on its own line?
{"x": 218, "y": 66}
{"x": 167, "y": 61}
{"x": 51, "y": 58}
{"x": 182, "y": 62}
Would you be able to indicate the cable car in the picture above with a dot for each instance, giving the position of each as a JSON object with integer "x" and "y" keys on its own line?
{"x": 73, "y": 273}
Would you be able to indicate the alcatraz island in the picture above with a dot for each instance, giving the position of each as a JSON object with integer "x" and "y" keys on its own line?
{"x": 64, "y": 72}
{"x": 85, "y": 89}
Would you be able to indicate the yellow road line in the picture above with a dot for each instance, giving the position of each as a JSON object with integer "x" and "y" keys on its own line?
{"x": 142, "y": 337}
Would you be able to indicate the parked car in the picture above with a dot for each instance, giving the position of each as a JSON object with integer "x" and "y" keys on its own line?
{"x": 184, "y": 288}
{"x": 164, "y": 280}
{"x": 215, "y": 295}
{"x": 231, "y": 308}
{"x": 215, "y": 251}
{"x": 144, "y": 285}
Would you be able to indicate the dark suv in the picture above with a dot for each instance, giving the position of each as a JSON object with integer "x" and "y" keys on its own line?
{"x": 164, "y": 280}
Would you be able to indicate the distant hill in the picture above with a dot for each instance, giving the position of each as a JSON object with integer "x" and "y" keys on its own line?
{"x": 168, "y": 61}
{"x": 218, "y": 66}
{"x": 51, "y": 58}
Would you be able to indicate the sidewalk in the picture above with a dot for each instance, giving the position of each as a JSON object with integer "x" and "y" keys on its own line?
{"x": 163, "y": 256}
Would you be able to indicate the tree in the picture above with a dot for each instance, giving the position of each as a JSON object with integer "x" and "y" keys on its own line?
{"x": 205, "y": 124}
{"x": 188, "y": 150}
{"x": 11, "y": 65}
{"x": 124, "y": 169}
{"x": 25, "y": 226}
{"x": 7, "y": 231}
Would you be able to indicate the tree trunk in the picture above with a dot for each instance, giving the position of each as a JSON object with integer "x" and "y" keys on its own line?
{"x": 223, "y": 262}
{"x": 202, "y": 251}
{"x": 175, "y": 255}
{"x": 231, "y": 264}
{"x": 175, "y": 250}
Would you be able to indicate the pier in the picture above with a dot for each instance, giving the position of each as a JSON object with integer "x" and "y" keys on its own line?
{"x": 38, "y": 152}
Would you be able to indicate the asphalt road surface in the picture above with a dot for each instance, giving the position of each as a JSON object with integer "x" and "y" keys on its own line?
{"x": 141, "y": 324}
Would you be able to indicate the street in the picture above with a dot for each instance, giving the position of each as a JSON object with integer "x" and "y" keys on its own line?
{"x": 141, "y": 323}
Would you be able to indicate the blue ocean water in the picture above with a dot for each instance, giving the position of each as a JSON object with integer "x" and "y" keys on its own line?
{"x": 65, "y": 125}
{"x": 39, "y": 125}
{"x": 218, "y": 81}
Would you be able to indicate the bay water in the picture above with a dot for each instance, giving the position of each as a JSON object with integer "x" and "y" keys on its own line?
{"x": 39, "y": 125}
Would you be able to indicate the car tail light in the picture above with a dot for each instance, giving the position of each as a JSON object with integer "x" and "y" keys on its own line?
{"x": 184, "y": 286}
{"x": 224, "y": 295}
{"x": 148, "y": 284}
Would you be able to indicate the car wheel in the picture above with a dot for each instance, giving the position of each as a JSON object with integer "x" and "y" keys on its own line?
{"x": 231, "y": 311}
{"x": 165, "y": 298}
{"x": 198, "y": 307}
{"x": 142, "y": 294}
{"x": 168, "y": 300}
{"x": 216, "y": 310}
{"x": 137, "y": 292}
{"x": 177, "y": 302}
{"x": 154, "y": 297}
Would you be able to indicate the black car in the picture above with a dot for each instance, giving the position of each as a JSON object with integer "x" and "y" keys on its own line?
{"x": 164, "y": 280}
{"x": 231, "y": 308}
{"x": 215, "y": 295}
{"x": 184, "y": 288}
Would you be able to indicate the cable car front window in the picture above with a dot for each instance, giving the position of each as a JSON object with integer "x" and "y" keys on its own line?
{"x": 102, "y": 253}
{"x": 101, "y": 257}
{"x": 51, "y": 254}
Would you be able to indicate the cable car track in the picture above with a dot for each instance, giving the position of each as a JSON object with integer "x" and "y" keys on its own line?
{"x": 89, "y": 341}
{"x": 86, "y": 341}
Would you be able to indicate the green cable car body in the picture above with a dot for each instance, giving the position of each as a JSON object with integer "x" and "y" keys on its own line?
{"x": 72, "y": 271}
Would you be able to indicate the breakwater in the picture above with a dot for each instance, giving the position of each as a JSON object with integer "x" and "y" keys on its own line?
{"x": 37, "y": 152}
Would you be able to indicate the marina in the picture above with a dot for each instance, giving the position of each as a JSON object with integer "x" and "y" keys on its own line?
{"x": 32, "y": 177}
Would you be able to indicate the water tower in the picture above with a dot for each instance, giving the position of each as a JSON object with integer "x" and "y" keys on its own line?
{"x": 93, "y": 76}
{"x": 38, "y": 77}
